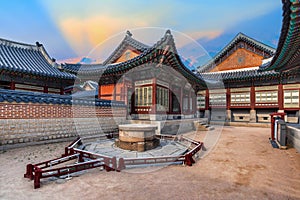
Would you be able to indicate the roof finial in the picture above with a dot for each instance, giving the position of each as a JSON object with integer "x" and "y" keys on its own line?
{"x": 38, "y": 44}
{"x": 128, "y": 33}
{"x": 168, "y": 32}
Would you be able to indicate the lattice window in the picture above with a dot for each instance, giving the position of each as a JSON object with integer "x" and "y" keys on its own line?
{"x": 162, "y": 98}
{"x": 266, "y": 96}
{"x": 200, "y": 101}
{"x": 240, "y": 97}
{"x": 291, "y": 98}
{"x": 217, "y": 99}
{"x": 143, "y": 96}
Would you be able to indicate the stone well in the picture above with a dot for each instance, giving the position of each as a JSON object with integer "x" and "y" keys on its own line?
{"x": 137, "y": 137}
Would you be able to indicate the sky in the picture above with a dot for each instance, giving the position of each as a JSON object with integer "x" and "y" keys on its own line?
{"x": 71, "y": 29}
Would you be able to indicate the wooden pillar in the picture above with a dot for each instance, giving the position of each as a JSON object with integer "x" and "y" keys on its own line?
{"x": 12, "y": 85}
{"x": 45, "y": 89}
{"x": 228, "y": 99}
{"x": 252, "y": 105}
{"x": 132, "y": 99}
{"x": 280, "y": 97}
{"x": 252, "y": 97}
{"x": 189, "y": 103}
{"x": 153, "y": 111}
{"x": 181, "y": 99}
{"x": 194, "y": 102}
{"x": 207, "y": 99}
{"x": 61, "y": 91}
{"x": 114, "y": 91}
{"x": 228, "y": 103}
{"x": 170, "y": 98}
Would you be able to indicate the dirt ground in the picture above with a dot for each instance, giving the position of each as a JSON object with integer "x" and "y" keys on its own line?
{"x": 243, "y": 165}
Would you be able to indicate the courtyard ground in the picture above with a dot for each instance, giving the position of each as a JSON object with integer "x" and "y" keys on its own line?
{"x": 242, "y": 165}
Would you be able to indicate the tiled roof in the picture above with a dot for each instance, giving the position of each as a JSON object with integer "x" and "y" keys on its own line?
{"x": 86, "y": 94}
{"x": 29, "y": 59}
{"x": 83, "y": 68}
{"x": 237, "y": 75}
{"x": 31, "y": 97}
{"x": 158, "y": 50}
{"x": 127, "y": 41}
{"x": 244, "y": 74}
{"x": 287, "y": 55}
{"x": 229, "y": 48}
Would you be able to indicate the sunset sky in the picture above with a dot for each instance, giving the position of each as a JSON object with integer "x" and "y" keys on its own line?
{"x": 72, "y": 28}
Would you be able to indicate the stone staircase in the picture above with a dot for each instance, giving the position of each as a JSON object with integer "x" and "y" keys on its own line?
{"x": 202, "y": 125}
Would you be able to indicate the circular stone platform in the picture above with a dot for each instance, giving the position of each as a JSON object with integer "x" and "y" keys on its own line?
{"x": 137, "y": 137}
{"x": 108, "y": 148}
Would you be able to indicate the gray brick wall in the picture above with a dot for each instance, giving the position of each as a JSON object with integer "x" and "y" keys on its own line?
{"x": 31, "y": 131}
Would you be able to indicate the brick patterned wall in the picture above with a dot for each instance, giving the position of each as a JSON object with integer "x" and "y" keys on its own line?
{"x": 24, "y": 124}
{"x": 41, "y": 111}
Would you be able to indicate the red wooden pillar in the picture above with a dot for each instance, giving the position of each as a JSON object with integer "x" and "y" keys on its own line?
{"x": 207, "y": 99}
{"x": 132, "y": 99}
{"x": 170, "y": 98}
{"x": 153, "y": 110}
{"x": 228, "y": 99}
{"x": 280, "y": 97}
{"x": 181, "y": 100}
{"x": 61, "y": 91}
{"x": 189, "y": 103}
{"x": 12, "y": 85}
{"x": 252, "y": 97}
{"x": 45, "y": 89}
{"x": 194, "y": 102}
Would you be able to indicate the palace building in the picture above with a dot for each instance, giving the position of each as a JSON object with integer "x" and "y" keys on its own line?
{"x": 152, "y": 81}
{"x": 248, "y": 94}
{"x": 29, "y": 68}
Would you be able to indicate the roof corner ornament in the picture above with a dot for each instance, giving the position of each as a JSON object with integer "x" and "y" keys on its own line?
{"x": 168, "y": 32}
{"x": 38, "y": 44}
{"x": 128, "y": 33}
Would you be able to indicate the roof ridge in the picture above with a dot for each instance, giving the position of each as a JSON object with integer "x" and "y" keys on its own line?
{"x": 256, "y": 41}
{"x": 28, "y": 58}
{"x": 127, "y": 40}
{"x": 17, "y": 44}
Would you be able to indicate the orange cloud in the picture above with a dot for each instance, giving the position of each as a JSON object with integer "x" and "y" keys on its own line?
{"x": 84, "y": 34}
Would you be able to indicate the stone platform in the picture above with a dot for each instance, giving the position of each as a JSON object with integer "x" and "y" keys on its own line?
{"x": 108, "y": 148}
{"x": 137, "y": 137}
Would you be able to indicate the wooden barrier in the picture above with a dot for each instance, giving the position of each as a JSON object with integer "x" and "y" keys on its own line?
{"x": 88, "y": 160}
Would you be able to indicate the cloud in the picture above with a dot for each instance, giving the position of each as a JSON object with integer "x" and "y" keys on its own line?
{"x": 85, "y": 24}
{"x": 85, "y": 34}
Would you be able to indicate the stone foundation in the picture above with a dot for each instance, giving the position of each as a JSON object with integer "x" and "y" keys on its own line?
{"x": 138, "y": 146}
{"x": 22, "y": 132}
{"x": 137, "y": 137}
{"x": 263, "y": 118}
{"x": 241, "y": 117}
